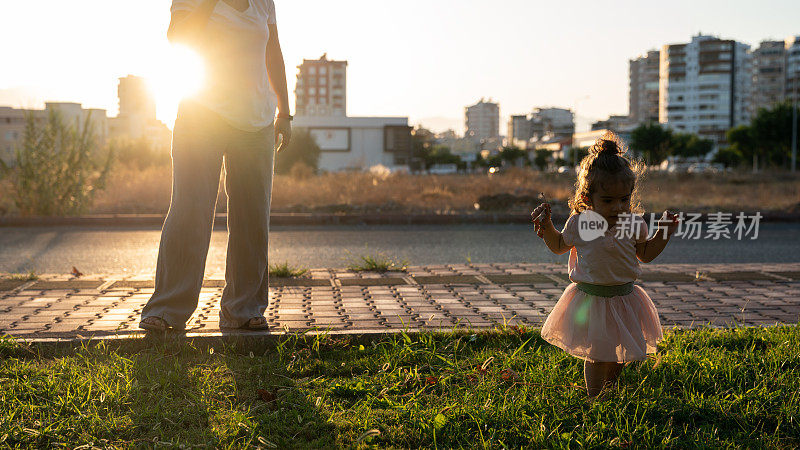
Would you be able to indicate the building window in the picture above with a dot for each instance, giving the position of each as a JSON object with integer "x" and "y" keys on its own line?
{"x": 322, "y": 71}
{"x": 323, "y": 91}
{"x": 312, "y": 70}
{"x": 323, "y": 81}
{"x": 312, "y": 91}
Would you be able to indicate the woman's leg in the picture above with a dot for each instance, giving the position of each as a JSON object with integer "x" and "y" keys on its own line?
{"x": 248, "y": 183}
{"x": 185, "y": 236}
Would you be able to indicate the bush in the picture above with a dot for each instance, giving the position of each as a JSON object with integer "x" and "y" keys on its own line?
{"x": 729, "y": 157}
{"x": 302, "y": 149}
{"x": 58, "y": 167}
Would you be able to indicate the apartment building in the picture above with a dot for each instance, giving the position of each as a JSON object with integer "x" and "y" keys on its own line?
{"x": 705, "y": 86}
{"x": 321, "y": 88}
{"x": 769, "y": 75}
{"x": 482, "y": 121}
{"x": 643, "y": 74}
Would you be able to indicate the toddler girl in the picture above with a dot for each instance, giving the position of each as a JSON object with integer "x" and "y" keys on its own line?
{"x": 602, "y": 317}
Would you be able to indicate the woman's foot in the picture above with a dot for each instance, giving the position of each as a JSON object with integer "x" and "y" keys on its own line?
{"x": 153, "y": 323}
{"x": 256, "y": 323}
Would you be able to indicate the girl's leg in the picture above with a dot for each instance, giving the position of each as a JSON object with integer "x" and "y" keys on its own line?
{"x": 248, "y": 183}
{"x": 600, "y": 374}
{"x": 595, "y": 375}
{"x": 185, "y": 237}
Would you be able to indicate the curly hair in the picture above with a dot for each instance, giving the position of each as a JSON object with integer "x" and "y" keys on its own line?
{"x": 607, "y": 163}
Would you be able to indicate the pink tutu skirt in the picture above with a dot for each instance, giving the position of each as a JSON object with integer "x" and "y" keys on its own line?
{"x": 604, "y": 329}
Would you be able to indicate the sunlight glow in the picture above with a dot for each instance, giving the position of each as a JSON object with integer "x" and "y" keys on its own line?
{"x": 176, "y": 72}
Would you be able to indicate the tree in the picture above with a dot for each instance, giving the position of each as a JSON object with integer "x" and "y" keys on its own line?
{"x": 302, "y": 149}
{"x": 741, "y": 140}
{"x": 730, "y": 157}
{"x": 541, "y": 158}
{"x": 513, "y": 154}
{"x": 58, "y": 168}
{"x": 772, "y": 132}
{"x": 652, "y": 141}
{"x": 440, "y": 154}
{"x": 689, "y": 145}
{"x": 140, "y": 153}
{"x": 767, "y": 138}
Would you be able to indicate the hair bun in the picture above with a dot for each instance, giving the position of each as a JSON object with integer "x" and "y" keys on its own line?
{"x": 609, "y": 144}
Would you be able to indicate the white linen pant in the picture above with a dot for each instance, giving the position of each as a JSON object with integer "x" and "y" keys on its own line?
{"x": 201, "y": 141}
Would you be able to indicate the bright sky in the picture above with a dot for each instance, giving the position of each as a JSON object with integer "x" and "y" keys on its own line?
{"x": 425, "y": 59}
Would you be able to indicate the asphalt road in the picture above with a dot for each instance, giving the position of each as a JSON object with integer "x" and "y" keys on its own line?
{"x": 121, "y": 251}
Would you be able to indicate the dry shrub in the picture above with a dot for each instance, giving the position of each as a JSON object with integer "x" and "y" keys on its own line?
{"x": 147, "y": 191}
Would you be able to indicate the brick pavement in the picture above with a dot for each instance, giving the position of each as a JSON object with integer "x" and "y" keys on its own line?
{"x": 427, "y": 297}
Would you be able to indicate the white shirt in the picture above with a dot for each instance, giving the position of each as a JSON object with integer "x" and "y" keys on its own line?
{"x": 234, "y": 49}
{"x": 607, "y": 260}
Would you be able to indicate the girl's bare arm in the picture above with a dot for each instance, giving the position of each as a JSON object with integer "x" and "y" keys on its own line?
{"x": 650, "y": 249}
{"x": 544, "y": 228}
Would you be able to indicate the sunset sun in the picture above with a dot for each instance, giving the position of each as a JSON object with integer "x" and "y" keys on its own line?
{"x": 176, "y": 72}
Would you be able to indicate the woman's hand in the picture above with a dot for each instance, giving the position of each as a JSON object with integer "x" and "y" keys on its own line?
{"x": 283, "y": 132}
{"x": 541, "y": 219}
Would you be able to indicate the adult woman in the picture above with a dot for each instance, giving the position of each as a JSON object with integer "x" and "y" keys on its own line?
{"x": 230, "y": 120}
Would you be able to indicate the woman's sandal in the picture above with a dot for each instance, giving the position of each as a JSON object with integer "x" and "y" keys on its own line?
{"x": 256, "y": 323}
{"x": 153, "y": 323}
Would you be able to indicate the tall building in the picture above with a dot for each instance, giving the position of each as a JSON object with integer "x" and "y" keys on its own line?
{"x": 552, "y": 122}
{"x": 321, "y": 88}
{"x": 541, "y": 125}
{"x": 643, "y": 89}
{"x": 483, "y": 121}
{"x": 135, "y": 98}
{"x": 792, "y": 45}
{"x": 519, "y": 131}
{"x": 705, "y": 86}
{"x": 137, "y": 114}
{"x": 769, "y": 74}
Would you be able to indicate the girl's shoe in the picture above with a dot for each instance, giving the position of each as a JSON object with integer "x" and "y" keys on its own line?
{"x": 153, "y": 323}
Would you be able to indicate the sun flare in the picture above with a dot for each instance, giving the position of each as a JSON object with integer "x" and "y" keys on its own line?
{"x": 177, "y": 72}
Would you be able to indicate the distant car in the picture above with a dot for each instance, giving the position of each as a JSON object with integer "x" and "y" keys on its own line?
{"x": 493, "y": 170}
{"x": 702, "y": 167}
{"x": 564, "y": 169}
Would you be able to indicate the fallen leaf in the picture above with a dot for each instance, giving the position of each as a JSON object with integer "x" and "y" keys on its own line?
{"x": 266, "y": 395}
{"x": 432, "y": 380}
{"x": 509, "y": 374}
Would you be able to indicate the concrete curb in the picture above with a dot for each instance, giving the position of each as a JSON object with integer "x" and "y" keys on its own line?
{"x": 319, "y": 219}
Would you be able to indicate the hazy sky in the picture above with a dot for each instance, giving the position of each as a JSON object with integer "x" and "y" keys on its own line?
{"x": 422, "y": 59}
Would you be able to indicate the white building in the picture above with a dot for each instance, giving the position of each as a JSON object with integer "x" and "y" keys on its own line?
{"x": 705, "y": 86}
{"x": 13, "y": 121}
{"x": 321, "y": 88}
{"x": 358, "y": 143}
{"x": 643, "y": 88}
{"x": 482, "y": 121}
{"x": 793, "y": 68}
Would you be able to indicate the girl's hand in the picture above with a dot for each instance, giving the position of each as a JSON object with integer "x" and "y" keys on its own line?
{"x": 541, "y": 218}
{"x": 669, "y": 222}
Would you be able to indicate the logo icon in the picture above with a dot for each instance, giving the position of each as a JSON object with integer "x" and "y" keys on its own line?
{"x": 591, "y": 225}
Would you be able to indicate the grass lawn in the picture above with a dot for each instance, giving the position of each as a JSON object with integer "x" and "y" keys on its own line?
{"x": 503, "y": 389}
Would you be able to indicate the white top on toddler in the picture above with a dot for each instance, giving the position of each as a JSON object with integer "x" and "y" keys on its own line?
{"x": 607, "y": 260}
